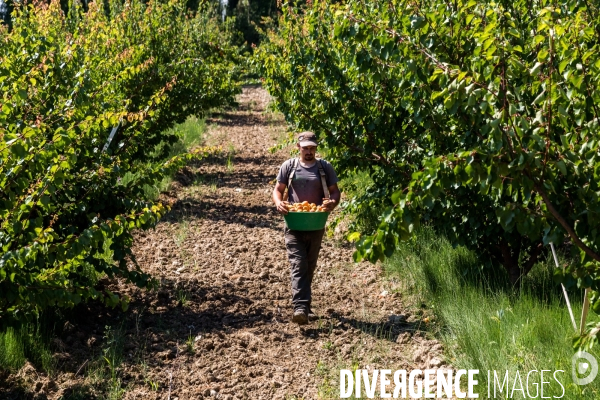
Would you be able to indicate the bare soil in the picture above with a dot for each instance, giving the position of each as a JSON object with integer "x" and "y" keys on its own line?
{"x": 219, "y": 323}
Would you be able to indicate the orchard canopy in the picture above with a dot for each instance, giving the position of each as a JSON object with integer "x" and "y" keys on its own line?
{"x": 85, "y": 102}
{"x": 479, "y": 117}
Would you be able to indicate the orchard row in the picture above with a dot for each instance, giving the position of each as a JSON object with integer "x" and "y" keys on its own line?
{"x": 480, "y": 118}
{"x": 86, "y": 100}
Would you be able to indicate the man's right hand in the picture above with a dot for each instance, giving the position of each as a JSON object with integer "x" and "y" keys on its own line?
{"x": 282, "y": 207}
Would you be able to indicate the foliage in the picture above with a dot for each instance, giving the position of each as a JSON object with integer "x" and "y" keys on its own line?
{"x": 190, "y": 134}
{"x": 65, "y": 81}
{"x": 480, "y": 117}
{"x": 502, "y": 330}
{"x": 252, "y": 17}
{"x": 364, "y": 203}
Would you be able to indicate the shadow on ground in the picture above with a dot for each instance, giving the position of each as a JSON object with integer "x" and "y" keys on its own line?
{"x": 380, "y": 330}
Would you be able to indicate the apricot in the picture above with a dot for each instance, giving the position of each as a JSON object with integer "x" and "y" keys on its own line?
{"x": 305, "y": 206}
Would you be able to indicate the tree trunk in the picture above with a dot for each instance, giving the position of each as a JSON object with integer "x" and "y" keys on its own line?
{"x": 510, "y": 261}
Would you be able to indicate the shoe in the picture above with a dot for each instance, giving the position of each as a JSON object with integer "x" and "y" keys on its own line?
{"x": 300, "y": 317}
{"x": 312, "y": 316}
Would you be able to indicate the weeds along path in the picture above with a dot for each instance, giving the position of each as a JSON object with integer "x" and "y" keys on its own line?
{"x": 219, "y": 325}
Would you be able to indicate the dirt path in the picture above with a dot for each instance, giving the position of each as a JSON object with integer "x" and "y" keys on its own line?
{"x": 219, "y": 325}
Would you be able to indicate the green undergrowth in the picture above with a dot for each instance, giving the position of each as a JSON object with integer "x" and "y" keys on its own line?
{"x": 486, "y": 325}
{"x": 29, "y": 342}
{"x": 190, "y": 134}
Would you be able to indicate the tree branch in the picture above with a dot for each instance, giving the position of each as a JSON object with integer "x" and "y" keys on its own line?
{"x": 533, "y": 258}
{"x": 565, "y": 225}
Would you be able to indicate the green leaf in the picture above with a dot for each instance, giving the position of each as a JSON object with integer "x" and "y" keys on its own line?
{"x": 353, "y": 237}
{"x": 562, "y": 167}
{"x": 541, "y": 97}
{"x": 396, "y": 196}
{"x": 563, "y": 64}
{"x": 536, "y": 68}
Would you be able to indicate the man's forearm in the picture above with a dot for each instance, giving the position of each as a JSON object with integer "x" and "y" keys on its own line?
{"x": 336, "y": 196}
{"x": 277, "y": 196}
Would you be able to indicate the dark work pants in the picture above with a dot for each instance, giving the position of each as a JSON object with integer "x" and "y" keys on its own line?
{"x": 303, "y": 251}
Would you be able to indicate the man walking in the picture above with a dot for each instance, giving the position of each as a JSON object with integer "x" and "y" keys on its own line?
{"x": 306, "y": 179}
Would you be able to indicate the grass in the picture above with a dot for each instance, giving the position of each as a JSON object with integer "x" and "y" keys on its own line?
{"x": 182, "y": 233}
{"x": 154, "y": 385}
{"x": 230, "y": 166}
{"x": 484, "y": 324}
{"x": 190, "y": 344}
{"x": 191, "y": 134}
{"x": 105, "y": 371}
{"x": 230, "y": 159}
{"x": 28, "y": 342}
{"x": 183, "y": 297}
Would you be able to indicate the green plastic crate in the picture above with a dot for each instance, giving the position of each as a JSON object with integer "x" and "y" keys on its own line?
{"x": 306, "y": 221}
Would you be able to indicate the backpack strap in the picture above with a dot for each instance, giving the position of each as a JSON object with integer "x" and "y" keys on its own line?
{"x": 323, "y": 178}
{"x": 291, "y": 177}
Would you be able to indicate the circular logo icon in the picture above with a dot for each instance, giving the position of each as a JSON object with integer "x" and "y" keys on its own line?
{"x": 584, "y": 363}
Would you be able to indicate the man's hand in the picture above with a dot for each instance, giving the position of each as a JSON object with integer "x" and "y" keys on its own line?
{"x": 329, "y": 204}
{"x": 282, "y": 207}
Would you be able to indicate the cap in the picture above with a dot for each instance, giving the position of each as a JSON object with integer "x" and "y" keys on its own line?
{"x": 307, "y": 139}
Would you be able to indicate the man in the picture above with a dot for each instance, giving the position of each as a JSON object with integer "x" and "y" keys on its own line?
{"x": 303, "y": 178}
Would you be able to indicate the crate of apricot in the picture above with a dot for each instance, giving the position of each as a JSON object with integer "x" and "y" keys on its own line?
{"x": 305, "y": 216}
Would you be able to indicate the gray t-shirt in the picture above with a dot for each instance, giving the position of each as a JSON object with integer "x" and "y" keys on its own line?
{"x": 306, "y": 185}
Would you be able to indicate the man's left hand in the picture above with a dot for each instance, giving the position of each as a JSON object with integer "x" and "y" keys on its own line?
{"x": 328, "y": 204}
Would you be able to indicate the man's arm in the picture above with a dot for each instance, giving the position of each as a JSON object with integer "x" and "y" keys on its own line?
{"x": 334, "y": 198}
{"x": 278, "y": 197}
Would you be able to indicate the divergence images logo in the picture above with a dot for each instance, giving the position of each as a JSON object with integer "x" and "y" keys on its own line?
{"x": 580, "y": 367}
